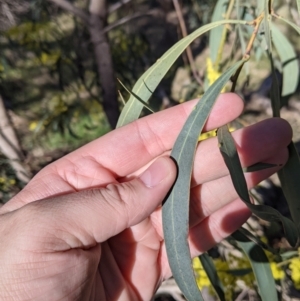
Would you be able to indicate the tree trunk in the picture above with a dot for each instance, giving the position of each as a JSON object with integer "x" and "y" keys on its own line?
{"x": 97, "y": 22}
{"x": 9, "y": 145}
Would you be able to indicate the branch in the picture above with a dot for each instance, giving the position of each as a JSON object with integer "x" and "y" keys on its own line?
{"x": 64, "y": 4}
{"x": 118, "y": 5}
{"x": 123, "y": 21}
{"x": 188, "y": 49}
{"x": 10, "y": 146}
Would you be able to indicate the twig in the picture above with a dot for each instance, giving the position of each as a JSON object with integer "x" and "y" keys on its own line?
{"x": 256, "y": 23}
{"x": 8, "y": 13}
{"x": 188, "y": 49}
{"x": 243, "y": 294}
{"x": 123, "y": 21}
{"x": 293, "y": 12}
{"x": 118, "y": 5}
{"x": 224, "y": 34}
{"x": 72, "y": 9}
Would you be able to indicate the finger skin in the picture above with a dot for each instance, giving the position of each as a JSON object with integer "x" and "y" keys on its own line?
{"x": 120, "y": 152}
{"x": 256, "y": 143}
{"x": 212, "y": 196}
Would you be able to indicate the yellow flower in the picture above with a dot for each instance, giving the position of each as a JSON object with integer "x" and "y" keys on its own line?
{"x": 212, "y": 133}
{"x": 201, "y": 277}
{"x": 277, "y": 272}
{"x": 32, "y": 126}
{"x": 12, "y": 181}
{"x": 211, "y": 73}
{"x": 295, "y": 271}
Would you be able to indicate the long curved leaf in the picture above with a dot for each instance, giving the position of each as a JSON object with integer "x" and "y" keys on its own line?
{"x": 257, "y": 241}
{"x": 275, "y": 91}
{"x": 260, "y": 266}
{"x": 176, "y": 208}
{"x": 289, "y": 177}
{"x": 267, "y": 29}
{"x": 260, "y": 6}
{"x": 298, "y": 6}
{"x": 148, "y": 82}
{"x": 211, "y": 272}
{"x": 289, "y": 61}
{"x": 231, "y": 158}
{"x": 296, "y": 27}
{"x": 215, "y": 34}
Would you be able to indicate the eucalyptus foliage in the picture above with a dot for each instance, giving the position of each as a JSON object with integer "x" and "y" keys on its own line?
{"x": 258, "y": 34}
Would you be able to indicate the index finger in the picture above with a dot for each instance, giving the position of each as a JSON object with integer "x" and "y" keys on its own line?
{"x": 129, "y": 148}
{"x": 120, "y": 152}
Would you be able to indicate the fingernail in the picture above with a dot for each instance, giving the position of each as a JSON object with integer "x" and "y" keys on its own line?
{"x": 156, "y": 173}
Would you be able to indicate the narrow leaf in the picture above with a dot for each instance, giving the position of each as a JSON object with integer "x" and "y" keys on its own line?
{"x": 275, "y": 92}
{"x": 215, "y": 34}
{"x": 267, "y": 29}
{"x": 259, "y": 166}
{"x": 298, "y": 6}
{"x": 176, "y": 208}
{"x": 260, "y": 266}
{"x": 289, "y": 61}
{"x": 231, "y": 158}
{"x": 296, "y": 27}
{"x": 152, "y": 77}
{"x": 122, "y": 98}
{"x": 211, "y": 272}
{"x": 257, "y": 241}
{"x": 239, "y": 272}
{"x": 136, "y": 97}
{"x": 260, "y": 6}
{"x": 289, "y": 177}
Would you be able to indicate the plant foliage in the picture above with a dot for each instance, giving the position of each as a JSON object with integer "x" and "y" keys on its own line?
{"x": 256, "y": 34}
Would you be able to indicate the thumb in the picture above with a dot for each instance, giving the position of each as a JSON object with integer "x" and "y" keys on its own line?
{"x": 92, "y": 216}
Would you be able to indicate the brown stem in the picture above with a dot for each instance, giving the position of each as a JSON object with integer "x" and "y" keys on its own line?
{"x": 188, "y": 49}
{"x": 97, "y": 23}
{"x": 256, "y": 23}
{"x": 72, "y": 9}
{"x": 9, "y": 145}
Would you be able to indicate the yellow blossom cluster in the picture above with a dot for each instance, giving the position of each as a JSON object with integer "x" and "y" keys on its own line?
{"x": 295, "y": 271}
{"x": 6, "y": 183}
{"x": 211, "y": 73}
{"x": 277, "y": 271}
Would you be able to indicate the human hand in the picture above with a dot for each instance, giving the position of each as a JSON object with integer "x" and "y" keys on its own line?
{"x": 88, "y": 226}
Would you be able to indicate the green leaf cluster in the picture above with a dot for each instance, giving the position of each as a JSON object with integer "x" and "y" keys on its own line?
{"x": 257, "y": 33}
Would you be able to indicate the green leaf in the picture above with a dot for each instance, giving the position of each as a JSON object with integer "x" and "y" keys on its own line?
{"x": 298, "y": 6}
{"x": 175, "y": 211}
{"x": 260, "y": 266}
{"x": 289, "y": 254}
{"x": 211, "y": 272}
{"x": 296, "y": 27}
{"x": 231, "y": 158}
{"x": 267, "y": 29}
{"x": 215, "y": 34}
{"x": 274, "y": 93}
{"x": 136, "y": 97}
{"x": 289, "y": 177}
{"x": 260, "y": 6}
{"x": 239, "y": 272}
{"x": 289, "y": 61}
{"x": 148, "y": 82}
{"x": 257, "y": 241}
{"x": 259, "y": 166}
